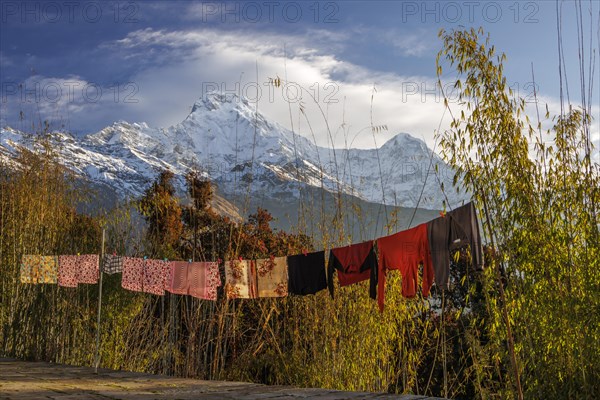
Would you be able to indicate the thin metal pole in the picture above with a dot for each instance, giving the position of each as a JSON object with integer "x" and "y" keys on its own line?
{"x": 97, "y": 359}
{"x": 171, "y": 326}
{"x": 162, "y": 338}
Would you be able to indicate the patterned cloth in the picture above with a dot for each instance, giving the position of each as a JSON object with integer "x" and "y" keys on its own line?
{"x": 203, "y": 280}
{"x": 239, "y": 279}
{"x": 148, "y": 276}
{"x": 112, "y": 264}
{"x": 272, "y": 277}
{"x": 155, "y": 276}
{"x": 67, "y": 271}
{"x": 39, "y": 269}
{"x": 177, "y": 281}
{"x": 133, "y": 272}
{"x": 73, "y": 270}
{"x": 213, "y": 279}
{"x": 89, "y": 267}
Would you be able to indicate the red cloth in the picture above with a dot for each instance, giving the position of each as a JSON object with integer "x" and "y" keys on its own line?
{"x": 354, "y": 263}
{"x": 350, "y": 279}
{"x": 405, "y": 251}
{"x": 351, "y": 259}
{"x": 198, "y": 279}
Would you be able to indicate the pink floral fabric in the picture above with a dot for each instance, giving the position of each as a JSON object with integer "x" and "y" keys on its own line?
{"x": 89, "y": 267}
{"x": 149, "y": 276}
{"x": 213, "y": 279}
{"x": 73, "y": 270}
{"x": 133, "y": 273}
{"x": 155, "y": 276}
{"x": 67, "y": 271}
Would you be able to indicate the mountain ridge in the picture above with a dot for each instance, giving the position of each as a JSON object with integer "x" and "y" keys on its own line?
{"x": 243, "y": 152}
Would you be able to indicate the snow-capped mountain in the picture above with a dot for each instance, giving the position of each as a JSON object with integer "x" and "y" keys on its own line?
{"x": 246, "y": 154}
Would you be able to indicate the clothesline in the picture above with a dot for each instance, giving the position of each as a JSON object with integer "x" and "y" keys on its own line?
{"x": 429, "y": 244}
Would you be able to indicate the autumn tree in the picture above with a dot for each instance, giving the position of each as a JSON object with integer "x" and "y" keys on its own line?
{"x": 162, "y": 212}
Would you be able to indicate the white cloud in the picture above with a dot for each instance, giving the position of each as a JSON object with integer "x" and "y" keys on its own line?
{"x": 210, "y": 57}
{"x": 60, "y": 101}
{"x": 198, "y": 60}
{"x": 414, "y": 44}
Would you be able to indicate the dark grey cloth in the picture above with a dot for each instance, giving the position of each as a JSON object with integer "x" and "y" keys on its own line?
{"x": 306, "y": 273}
{"x": 460, "y": 227}
{"x": 112, "y": 264}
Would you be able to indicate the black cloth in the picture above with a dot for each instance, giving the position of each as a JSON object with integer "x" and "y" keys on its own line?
{"x": 354, "y": 263}
{"x": 458, "y": 228}
{"x": 306, "y": 273}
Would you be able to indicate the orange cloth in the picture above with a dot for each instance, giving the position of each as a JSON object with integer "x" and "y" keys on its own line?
{"x": 405, "y": 251}
{"x": 272, "y": 277}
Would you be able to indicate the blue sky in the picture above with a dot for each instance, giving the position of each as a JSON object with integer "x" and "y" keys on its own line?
{"x": 84, "y": 65}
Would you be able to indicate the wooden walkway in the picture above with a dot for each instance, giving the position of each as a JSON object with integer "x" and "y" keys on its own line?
{"x": 40, "y": 380}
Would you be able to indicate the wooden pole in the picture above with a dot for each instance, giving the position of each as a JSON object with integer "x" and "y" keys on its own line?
{"x": 97, "y": 358}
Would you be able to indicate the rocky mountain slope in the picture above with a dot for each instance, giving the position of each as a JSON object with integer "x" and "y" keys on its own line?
{"x": 246, "y": 154}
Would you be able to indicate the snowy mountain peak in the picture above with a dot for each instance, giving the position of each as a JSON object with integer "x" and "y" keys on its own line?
{"x": 243, "y": 152}
{"x": 215, "y": 100}
{"x": 407, "y": 142}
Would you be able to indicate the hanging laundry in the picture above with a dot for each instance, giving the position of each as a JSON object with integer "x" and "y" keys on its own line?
{"x": 177, "y": 281}
{"x": 307, "y": 273}
{"x": 239, "y": 279}
{"x": 456, "y": 229}
{"x": 272, "y": 277}
{"x": 39, "y": 269}
{"x": 214, "y": 280}
{"x": 354, "y": 263}
{"x": 133, "y": 273}
{"x": 112, "y": 264}
{"x": 203, "y": 280}
{"x": 73, "y": 270}
{"x": 67, "y": 271}
{"x": 155, "y": 276}
{"x": 405, "y": 251}
{"x": 89, "y": 268}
